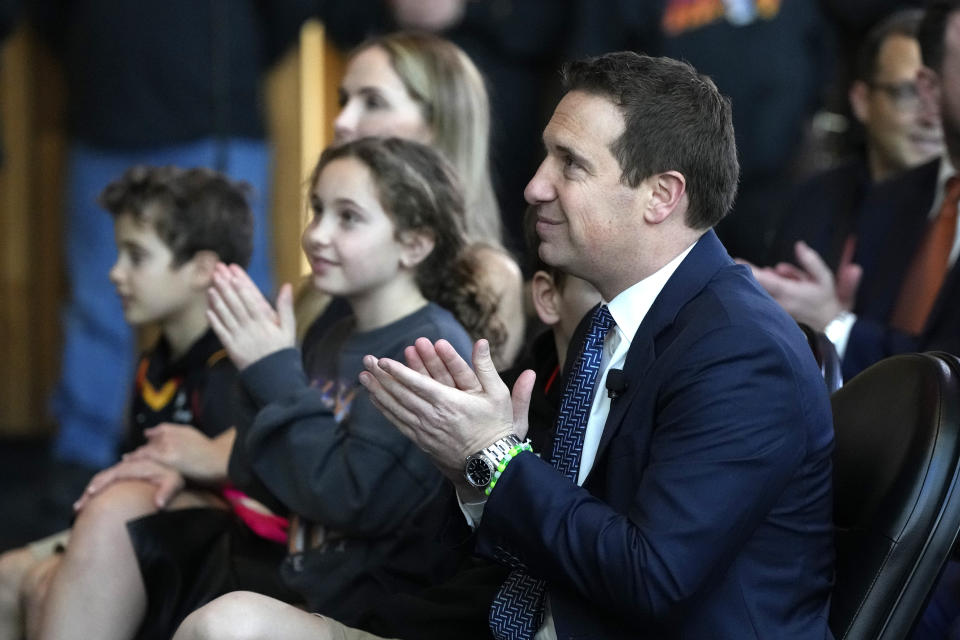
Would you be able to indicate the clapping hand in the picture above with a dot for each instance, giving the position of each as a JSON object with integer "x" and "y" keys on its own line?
{"x": 810, "y": 292}
{"x": 246, "y": 324}
{"x": 448, "y": 409}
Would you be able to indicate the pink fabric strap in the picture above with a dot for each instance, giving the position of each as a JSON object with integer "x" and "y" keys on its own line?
{"x": 255, "y": 515}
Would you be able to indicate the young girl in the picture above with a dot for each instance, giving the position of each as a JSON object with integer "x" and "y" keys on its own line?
{"x": 386, "y": 236}
{"x": 424, "y": 88}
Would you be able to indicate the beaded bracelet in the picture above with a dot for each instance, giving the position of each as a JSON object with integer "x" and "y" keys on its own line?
{"x": 513, "y": 453}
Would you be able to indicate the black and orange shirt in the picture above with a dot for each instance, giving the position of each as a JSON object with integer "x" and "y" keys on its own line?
{"x": 197, "y": 388}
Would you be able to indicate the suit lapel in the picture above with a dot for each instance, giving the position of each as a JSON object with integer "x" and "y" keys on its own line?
{"x": 706, "y": 258}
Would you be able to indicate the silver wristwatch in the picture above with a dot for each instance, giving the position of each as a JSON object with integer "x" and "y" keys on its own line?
{"x": 480, "y": 466}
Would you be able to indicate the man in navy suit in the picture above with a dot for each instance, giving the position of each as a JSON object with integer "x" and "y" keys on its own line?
{"x": 702, "y": 504}
{"x": 899, "y": 221}
{"x": 694, "y": 499}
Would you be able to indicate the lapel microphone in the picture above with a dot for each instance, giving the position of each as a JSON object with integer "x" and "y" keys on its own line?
{"x": 616, "y": 383}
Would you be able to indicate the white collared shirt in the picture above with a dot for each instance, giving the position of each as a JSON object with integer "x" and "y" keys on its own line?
{"x": 628, "y": 309}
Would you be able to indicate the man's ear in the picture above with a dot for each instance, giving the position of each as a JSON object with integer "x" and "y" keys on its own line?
{"x": 859, "y": 96}
{"x": 203, "y": 264}
{"x": 928, "y": 88}
{"x": 545, "y": 296}
{"x": 417, "y": 245}
{"x": 667, "y": 192}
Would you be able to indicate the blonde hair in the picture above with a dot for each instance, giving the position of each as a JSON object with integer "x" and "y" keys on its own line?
{"x": 453, "y": 97}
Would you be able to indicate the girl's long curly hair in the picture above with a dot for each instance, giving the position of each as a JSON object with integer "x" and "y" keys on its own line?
{"x": 421, "y": 192}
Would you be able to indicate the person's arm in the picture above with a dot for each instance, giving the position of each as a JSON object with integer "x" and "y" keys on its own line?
{"x": 730, "y": 433}
{"x": 809, "y": 291}
{"x": 728, "y": 436}
{"x": 196, "y": 456}
{"x": 359, "y": 477}
{"x": 870, "y": 341}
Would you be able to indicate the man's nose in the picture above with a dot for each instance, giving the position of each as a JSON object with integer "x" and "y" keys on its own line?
{"x": 540, "y": 189}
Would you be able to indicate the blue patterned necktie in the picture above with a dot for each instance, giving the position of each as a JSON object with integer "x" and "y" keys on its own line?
{"x": 517, "y": 609}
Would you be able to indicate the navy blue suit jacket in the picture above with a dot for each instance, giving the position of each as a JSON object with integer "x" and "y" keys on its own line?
{"x": 707, "y": 513}
{"x": 890, "y": 229}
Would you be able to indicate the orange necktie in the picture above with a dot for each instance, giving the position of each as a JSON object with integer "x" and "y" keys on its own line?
{"x": 929, "y": 267}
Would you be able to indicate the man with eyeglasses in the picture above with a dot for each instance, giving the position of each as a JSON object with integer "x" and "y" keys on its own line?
{"x": 895, "y": 284}
{"x": 897, "y": 135}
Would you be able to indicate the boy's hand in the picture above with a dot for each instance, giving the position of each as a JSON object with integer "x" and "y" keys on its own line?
{"x": 167, "y": 480}
{"x": 244, "y": 321}
{"x": 186, "y": 449}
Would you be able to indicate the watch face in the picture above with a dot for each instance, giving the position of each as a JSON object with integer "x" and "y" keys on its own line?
{"x": 479, "y": 472}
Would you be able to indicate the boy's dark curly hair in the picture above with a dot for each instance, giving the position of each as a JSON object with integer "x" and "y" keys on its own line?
{"x": 191, "y": 209}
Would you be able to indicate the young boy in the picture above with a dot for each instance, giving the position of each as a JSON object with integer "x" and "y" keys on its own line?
{"x": 172, "y": 226}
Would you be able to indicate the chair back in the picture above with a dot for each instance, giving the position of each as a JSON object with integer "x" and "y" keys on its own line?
{"x": 896, "y": 500}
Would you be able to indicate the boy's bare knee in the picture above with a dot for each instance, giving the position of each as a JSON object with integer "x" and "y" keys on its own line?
{"x": 117, "y": 504}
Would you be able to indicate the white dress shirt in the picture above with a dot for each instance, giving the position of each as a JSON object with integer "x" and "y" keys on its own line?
{"x": 628, "y": 309}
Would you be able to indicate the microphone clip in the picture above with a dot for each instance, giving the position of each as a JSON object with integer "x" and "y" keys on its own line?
{"x": 616, "y": 383}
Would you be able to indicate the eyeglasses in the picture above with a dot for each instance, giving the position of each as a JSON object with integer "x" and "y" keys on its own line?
{"x": 903, "y": 95}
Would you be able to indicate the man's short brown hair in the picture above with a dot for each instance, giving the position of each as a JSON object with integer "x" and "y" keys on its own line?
{"x": 676, "y": 120}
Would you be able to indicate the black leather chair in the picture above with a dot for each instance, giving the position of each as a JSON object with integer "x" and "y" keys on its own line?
{"x": 826, "y": 357}
{"x": 896, "y": 493}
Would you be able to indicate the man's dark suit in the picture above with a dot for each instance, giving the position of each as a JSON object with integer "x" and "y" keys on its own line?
{"x": 890, "y": 228}
{"x": 708, "y": 511}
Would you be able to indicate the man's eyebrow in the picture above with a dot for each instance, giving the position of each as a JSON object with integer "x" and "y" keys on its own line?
{"x": 578, "y": 157}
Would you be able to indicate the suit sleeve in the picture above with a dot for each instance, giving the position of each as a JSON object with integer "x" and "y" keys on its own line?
{"x": 871, "y": 341}
{"x": 359, "y": 476}
{"x": 728, "y": 435}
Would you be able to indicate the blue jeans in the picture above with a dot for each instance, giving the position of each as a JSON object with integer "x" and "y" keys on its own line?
{"x": 98, "y": 348}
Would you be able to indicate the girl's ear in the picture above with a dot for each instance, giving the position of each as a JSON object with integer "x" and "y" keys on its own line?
{"x": 417, "y": 245}
{"x": 203, "y": 264}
